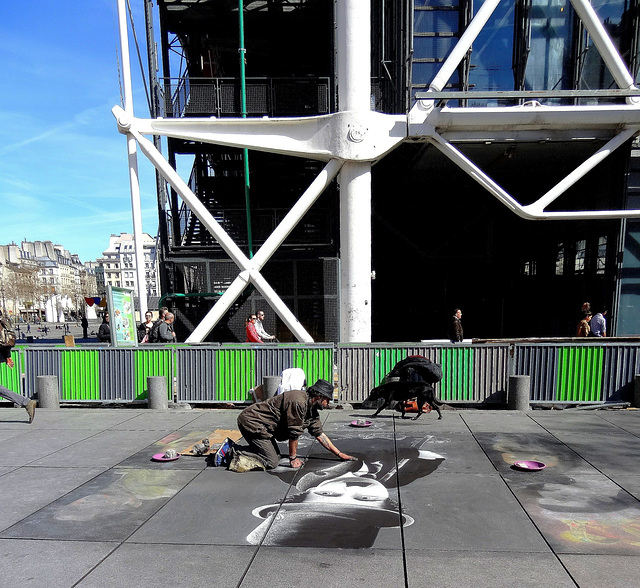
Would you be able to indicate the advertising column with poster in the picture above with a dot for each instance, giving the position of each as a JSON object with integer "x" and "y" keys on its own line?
{"x": 123, "y": 317}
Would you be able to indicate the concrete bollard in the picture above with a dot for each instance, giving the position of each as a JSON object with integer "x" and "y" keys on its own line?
{"x": 270, "y": 386}
{"x": 48, "y": 392}
{"x": 519, "y": 392}
{"x": 157, "y": 393}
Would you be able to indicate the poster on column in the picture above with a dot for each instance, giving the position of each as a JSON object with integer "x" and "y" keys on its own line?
{"x": 122, "y": 317}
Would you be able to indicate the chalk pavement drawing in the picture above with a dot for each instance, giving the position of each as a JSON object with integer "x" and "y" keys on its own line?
{"x": 346, "y": 503}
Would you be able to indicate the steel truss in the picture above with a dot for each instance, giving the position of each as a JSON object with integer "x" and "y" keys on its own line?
{"x": 353, "y": 138}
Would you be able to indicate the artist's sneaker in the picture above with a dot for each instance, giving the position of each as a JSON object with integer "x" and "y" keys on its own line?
{"x": 223, "y": 455}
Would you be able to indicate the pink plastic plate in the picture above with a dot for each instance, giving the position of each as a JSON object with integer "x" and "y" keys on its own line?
{"x": 161, "y": 457}
{"x": 532, "y": 466}
{"x": 361, "y": 423}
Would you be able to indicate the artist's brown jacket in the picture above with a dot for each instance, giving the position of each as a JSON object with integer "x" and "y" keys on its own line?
{"x": 284, "y": 417}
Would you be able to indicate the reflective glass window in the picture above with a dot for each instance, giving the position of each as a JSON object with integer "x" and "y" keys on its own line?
{"x": 492, "y": 51}
{"x": 601, "y": 262}
{"x": 560, "y": 260}
{"x": 581, "y": 251}
{"x": 549, "y": 61}
{"x": 433, "y": 47}
{"x": 594, "y": 75}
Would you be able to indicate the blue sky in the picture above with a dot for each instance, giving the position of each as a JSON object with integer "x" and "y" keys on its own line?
{"x": 63, "y": 165}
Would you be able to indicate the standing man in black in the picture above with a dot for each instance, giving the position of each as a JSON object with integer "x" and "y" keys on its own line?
{"x": 85, "y": 326}
{"x": 455, "y": 327}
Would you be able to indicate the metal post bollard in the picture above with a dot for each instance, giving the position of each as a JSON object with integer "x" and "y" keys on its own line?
{"x": 48, "y": 392}
{"x": 519, "y": 391}
{"x": 157, "y": 393}
{"x": 270, "y": 386}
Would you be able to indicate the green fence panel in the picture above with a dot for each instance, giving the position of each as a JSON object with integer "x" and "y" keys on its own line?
{"x": 80, "y": 375}
{"x": 10, "y": 377}
{"x": 580, "y": 372}
{"x": 316, "y": 363}
{"x": 235, "y": 373}
{"x": 152, "y": 362}
{"x": 383, "y": 362}
{"x": 457, "y": 373}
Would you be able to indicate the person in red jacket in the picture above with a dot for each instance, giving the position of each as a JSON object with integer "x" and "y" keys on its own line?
{"x": 252, "y": 334}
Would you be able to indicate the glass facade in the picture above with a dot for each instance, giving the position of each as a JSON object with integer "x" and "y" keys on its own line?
{"x": 549, "y": 59}
{"x": 525, "y": 45}
{"x": 491, "y": 57}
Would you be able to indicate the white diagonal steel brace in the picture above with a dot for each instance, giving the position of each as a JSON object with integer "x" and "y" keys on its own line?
{"x": 605, "y": 46}
{"x": 457, "y": 54}
{"x": 276, "y": 238}
{"x": 535, "y": 211}
{"x": 250, "y": 268}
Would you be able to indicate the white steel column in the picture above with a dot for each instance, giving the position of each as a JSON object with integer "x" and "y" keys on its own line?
{"x": 353, "y": 56}
{"x": 134, "y": 184}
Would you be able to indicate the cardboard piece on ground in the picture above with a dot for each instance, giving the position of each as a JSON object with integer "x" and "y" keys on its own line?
{"x": 69, "y": 341}
{"x": 215, "y": 440}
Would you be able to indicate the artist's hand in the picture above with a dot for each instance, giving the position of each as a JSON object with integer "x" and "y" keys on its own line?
{"x": 296, "y": 463}
{"x": 10, "y": 362}
{"x": 345, "y": 457}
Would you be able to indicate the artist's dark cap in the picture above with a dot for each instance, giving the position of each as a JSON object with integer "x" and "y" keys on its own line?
{"x": 321, "y": 388}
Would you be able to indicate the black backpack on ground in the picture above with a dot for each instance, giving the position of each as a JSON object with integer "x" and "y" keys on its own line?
{"x": 415, "y": 368}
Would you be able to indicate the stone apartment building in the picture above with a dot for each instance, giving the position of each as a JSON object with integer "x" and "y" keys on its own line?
{"x": 39, "y": 279}
{"x": 117, "y": 266}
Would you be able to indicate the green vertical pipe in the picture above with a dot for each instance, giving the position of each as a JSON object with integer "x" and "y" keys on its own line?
{"x": 243, "y": 106}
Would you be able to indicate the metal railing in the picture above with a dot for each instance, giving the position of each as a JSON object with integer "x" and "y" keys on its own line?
{"x": 560, "y": 371}
{"x": 184, "y": 97}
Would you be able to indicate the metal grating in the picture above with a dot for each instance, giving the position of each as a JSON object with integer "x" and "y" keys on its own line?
{"x": 620, "y": 368}
{"x": 116, "y": 371}
{"x": 539, "y": 363}
{"x": 39, "y": 361}
{"x": 581, "y": 372}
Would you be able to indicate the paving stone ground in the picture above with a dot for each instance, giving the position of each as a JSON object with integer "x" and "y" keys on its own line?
{"x": 430, "y": 502}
